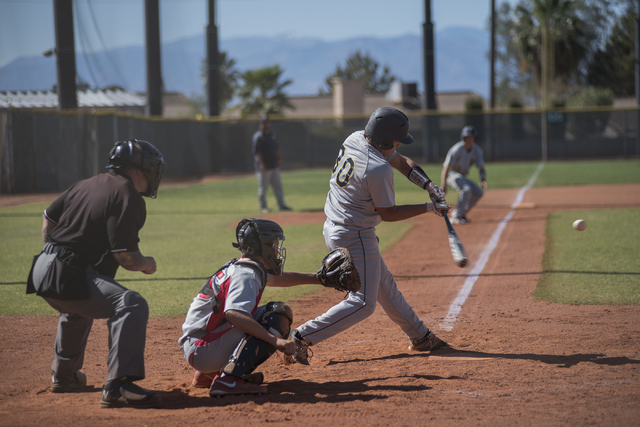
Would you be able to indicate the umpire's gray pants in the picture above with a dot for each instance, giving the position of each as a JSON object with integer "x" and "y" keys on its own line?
{"x": 127, "y": 312}
{"x": 470, "y": 193}
{"x": 266, "y": 178}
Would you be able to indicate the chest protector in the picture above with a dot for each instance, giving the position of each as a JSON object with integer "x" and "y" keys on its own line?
{"x": 216, "y": 289}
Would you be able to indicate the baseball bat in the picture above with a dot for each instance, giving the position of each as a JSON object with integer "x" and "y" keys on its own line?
{"x": 457, "y": 250}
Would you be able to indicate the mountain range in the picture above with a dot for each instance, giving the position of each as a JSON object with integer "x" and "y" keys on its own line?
{"x": 461, "y": 62}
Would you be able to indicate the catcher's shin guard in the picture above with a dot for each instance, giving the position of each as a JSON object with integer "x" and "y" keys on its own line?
{"x": 251, "y": 351}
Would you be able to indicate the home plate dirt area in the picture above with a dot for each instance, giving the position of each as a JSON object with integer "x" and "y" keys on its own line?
{"x": 514, "y": 360}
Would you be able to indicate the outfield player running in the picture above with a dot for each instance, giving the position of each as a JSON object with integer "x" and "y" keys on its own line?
{"x": 455, "y": 170}
{"x": 361, "y": 195}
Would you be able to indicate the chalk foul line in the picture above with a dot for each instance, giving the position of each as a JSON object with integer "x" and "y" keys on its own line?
{"x": 456, "y": 306}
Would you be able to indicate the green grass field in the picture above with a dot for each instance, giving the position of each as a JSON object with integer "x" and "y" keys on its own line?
{"x": 189, "y": 231}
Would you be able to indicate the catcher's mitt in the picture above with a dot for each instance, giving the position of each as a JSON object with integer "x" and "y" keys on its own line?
{"x": 338, "y": 271}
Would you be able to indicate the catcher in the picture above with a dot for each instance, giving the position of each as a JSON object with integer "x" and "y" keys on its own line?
{"x": 226, "y": 335}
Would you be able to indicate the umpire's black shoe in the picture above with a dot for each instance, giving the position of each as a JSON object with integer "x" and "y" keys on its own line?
{"x": 68, "y": 383}
{"x": 129, "y": 395}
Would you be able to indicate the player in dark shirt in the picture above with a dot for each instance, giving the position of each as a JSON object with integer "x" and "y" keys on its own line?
{"x": 89, "y": 231}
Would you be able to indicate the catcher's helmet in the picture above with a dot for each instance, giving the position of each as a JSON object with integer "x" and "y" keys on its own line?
{"x": 468, "y": 130}
{"x": 386, "y": 125}
{"x": 141, "y": 155}
{"x": 261, "y": 237}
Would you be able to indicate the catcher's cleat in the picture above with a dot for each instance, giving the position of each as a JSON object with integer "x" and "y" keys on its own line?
{"x": 302, "y": 348}
{"x": 429, "y": 342}
{"x": 256, "y": 378}
{"x": 129, "y": 395}
{"x": 202, "y": 380}
{"x": 230, "y": 384}
{"x": 68, "y": 383}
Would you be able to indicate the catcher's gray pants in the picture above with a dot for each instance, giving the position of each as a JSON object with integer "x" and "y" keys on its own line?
{"x": 266, "y": 178}
{"x": 127, "y": 312}
{"x": 212, "y": 356}
{"x": 377, "y": 285}
{"x": 470, "y": 193}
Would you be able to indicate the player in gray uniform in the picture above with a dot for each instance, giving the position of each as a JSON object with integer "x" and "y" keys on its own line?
{"x": 226, "y": 335}
{"x": 361, "y": 195}
{"x": 455, "y": 169}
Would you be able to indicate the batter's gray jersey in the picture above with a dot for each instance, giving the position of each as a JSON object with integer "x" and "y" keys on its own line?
{"x": 361, "y": 180}
{"x": 460, "y": 160}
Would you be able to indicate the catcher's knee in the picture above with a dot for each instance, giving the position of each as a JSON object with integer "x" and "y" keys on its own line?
{"x": 251, "y": 352}
{"x": 277, "y": 319}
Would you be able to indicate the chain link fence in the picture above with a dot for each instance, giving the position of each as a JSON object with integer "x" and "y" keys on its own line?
{"x": 46, "y": 151}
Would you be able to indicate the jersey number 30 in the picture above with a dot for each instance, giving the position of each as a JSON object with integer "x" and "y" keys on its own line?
{"x": 345, "y": 168}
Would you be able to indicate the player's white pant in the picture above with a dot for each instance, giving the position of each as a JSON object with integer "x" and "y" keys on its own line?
{"x": 470, "y": 193}
{"x": 266, "y": 178}
{"x": 377, "y": 285}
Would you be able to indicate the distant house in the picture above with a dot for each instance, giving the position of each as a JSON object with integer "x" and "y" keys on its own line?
{"x": 348, "y": 98}
{"x": 96, "y": 100}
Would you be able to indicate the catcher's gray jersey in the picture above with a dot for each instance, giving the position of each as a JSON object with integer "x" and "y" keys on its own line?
{"x": 460, "y": 160}
{"x": 361, "y": 180}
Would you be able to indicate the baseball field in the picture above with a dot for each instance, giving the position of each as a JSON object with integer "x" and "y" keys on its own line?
{"x": 544, "y": 320}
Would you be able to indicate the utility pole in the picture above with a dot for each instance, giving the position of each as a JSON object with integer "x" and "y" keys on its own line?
{"x": 429, "y": 122}
{"x": 154, "y": 67}
{"x": 492, "y": 96}
{"x": 213, "y": 66}
{"x": 65, "y": 54}
{"x": 638, "y": 77}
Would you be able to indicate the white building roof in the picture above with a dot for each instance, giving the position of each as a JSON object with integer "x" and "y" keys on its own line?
{"x": 86, "y": 99}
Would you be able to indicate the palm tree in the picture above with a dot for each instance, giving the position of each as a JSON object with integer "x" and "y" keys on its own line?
{"x": 262, "y": 91}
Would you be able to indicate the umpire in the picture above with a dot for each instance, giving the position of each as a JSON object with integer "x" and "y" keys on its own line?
{"x": 89, "y": 231}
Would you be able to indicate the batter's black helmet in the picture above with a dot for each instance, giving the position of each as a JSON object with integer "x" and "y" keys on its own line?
{"x": 468, "y": 130}
{"x": 386, "y": 125}
{"x": 261, "y": 237}
{"x": 141, "y": 155}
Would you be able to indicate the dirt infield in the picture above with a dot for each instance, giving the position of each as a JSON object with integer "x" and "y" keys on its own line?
{"x": 515, "y": 361}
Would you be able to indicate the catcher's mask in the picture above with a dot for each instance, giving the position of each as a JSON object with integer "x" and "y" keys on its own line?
{"x": 141, "y": 155}
{"x": 261, "y": 237}
{"x": 386, "y": 125}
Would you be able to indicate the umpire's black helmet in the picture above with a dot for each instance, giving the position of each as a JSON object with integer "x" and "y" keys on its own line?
{"x": 262, "y": 237}
{"x": 141, "y": 155}
{"x": 386, "y": 125}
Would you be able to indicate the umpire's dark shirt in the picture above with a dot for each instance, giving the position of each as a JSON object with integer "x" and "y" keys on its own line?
{"x": 266, "y": 144}
{"x": 97, "y": 217}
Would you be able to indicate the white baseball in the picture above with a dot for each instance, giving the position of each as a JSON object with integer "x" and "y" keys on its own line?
{"x": 579, "y": 224}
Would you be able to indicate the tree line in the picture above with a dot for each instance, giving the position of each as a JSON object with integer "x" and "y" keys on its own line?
{"x": 590, "y": 45}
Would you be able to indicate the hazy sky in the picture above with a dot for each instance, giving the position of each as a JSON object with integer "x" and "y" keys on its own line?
{"x": 26, "y": 26}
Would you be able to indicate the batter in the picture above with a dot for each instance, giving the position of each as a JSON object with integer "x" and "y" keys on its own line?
{"x": 362, "y": 195}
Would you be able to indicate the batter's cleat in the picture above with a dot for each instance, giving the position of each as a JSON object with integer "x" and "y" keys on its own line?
{"x": 462, "y": 220}
{"x": 129, "y": 395}
{"x": 430, "y": 342}
{"x": 264, "y": 210}
{"x": 302, "y": 348}
{"x": 285, "y": 208}
{"x": 68, "y": 383}
{"x": 230, "y": 384}
{"x": 202, "y": 380}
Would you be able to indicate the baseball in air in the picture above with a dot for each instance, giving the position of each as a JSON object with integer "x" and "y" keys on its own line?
{"x": 579, "y": 224}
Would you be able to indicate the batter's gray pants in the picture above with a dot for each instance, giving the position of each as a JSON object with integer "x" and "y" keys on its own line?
{"x": 266, "y": 178}
{"x": 470, "y": 193}
{"x": 378, "y": 285}
{"x": 127, "y": 312}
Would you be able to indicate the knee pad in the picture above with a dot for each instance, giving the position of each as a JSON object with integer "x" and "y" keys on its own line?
{"x": 251, "y": 352}
{"x": 277, "y": 319}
